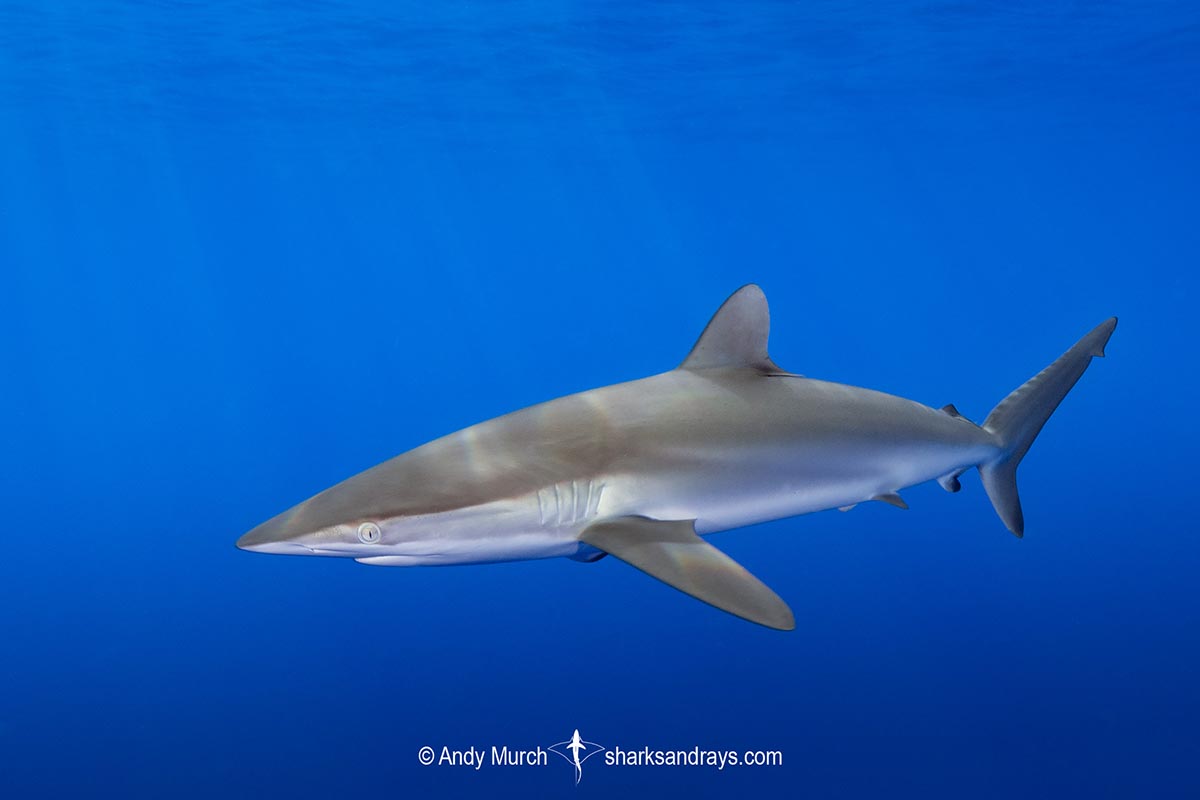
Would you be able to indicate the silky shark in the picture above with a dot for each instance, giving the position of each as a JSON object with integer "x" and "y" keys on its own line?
{"x": 643, "y": 470}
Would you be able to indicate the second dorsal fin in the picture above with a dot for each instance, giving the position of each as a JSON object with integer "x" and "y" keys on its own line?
{"x": 736, "y": 336}
{"x": 950, "y": 411}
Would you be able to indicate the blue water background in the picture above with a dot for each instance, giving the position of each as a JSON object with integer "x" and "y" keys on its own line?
{"x": 247, "y": 250}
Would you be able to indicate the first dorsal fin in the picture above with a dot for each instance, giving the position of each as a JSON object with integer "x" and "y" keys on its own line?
{"x": 736, "y": 336}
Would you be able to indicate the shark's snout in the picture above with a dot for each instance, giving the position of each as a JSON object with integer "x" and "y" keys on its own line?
{"x": 270, "y": 537}
{"x": 288, "y": 535}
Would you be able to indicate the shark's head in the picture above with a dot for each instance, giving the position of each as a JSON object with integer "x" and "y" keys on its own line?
{"x": 345, "y": 520}
{"x": 289, "y": 534}
{"x": 415, "y": 509}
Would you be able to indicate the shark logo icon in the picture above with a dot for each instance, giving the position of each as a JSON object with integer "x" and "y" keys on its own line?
{"x": 576, "y": 751}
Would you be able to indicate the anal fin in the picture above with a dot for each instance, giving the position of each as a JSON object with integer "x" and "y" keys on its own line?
{"x": 950, "y": 481}
{"x": 672, "y": 552}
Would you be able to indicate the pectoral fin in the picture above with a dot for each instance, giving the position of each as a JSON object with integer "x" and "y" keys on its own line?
{"x": 672, "y": 552}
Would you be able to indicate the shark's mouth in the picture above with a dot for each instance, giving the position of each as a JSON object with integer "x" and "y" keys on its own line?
{"x": 296, "y": 549}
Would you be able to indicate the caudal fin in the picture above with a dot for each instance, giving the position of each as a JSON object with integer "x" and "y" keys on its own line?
{"x": 1019, "y": 418}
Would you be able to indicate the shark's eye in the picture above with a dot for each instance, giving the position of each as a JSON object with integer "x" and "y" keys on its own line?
{"x": 368, "y": 533}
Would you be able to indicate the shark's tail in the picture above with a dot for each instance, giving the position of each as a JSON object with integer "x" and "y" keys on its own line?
{"x": 1019, "y": 418}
